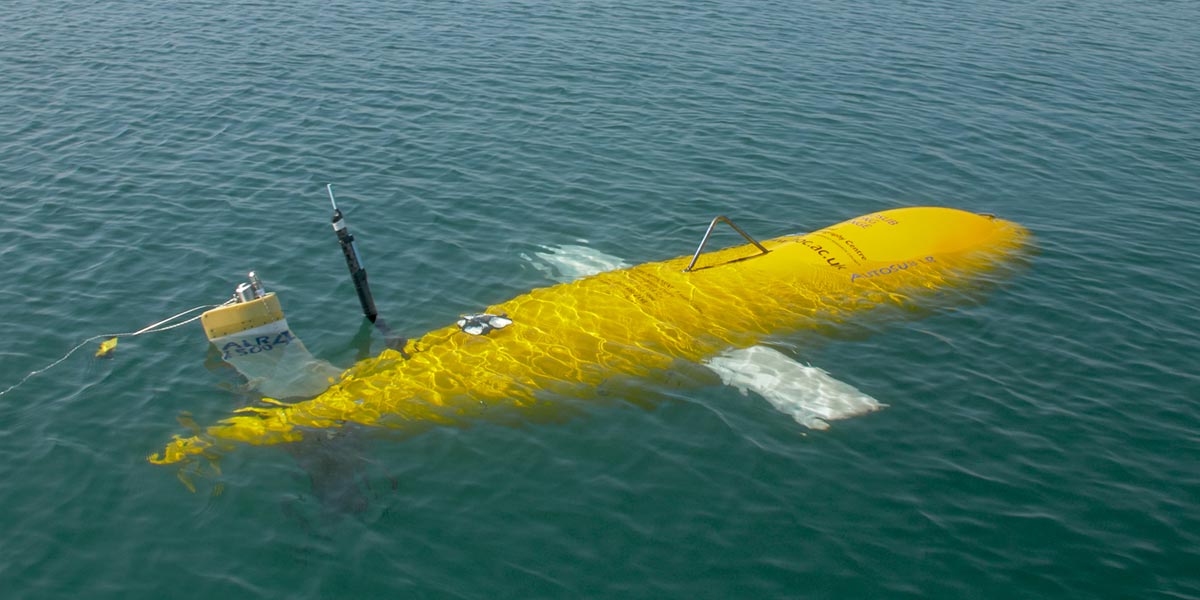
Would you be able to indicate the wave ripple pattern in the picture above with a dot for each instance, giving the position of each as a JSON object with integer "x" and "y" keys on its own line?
{"x": 1040, "y": 440}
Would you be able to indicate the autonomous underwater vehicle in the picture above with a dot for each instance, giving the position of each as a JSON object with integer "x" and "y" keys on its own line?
{"x": 716, "y": 309}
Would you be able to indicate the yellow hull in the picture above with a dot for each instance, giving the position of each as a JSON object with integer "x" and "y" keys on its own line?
{"x": 634, "y": 322}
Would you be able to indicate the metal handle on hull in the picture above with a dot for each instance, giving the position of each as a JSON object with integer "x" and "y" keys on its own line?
{"x": 713, "y": 225}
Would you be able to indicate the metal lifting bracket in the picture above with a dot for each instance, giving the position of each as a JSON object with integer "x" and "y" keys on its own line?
{"x": 708, "y": 233}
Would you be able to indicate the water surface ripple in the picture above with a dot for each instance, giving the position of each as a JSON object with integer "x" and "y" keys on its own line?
{"x": 1041, "y": 439}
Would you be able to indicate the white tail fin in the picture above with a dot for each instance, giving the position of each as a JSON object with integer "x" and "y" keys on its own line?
{"x": 806, "y": 393}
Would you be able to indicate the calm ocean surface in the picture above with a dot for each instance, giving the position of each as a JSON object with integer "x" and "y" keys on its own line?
{"x": 1041, "y": 441}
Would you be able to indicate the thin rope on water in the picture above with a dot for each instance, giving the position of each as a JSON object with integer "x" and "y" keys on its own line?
{"x": 152, "y": 328}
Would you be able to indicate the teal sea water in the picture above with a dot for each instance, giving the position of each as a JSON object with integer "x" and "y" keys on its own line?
{"x": 1040, "y": 441}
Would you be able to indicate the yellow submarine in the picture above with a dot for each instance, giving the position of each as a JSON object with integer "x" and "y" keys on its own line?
{"x": 633, "y": 322}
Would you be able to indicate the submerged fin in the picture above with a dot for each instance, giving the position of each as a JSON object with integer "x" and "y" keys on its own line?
{"x": 808, "y": 394}
{"x": 571, "y": 262}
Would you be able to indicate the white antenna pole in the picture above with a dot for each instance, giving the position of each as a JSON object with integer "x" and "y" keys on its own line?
{"x": 329, "y": 188}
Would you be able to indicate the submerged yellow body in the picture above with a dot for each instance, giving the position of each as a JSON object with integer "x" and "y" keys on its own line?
{"x": 635, "y": 321}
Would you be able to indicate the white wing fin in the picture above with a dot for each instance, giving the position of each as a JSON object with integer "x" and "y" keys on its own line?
{"x": 806, "y": 393}
{"x": 571, "y": 262}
